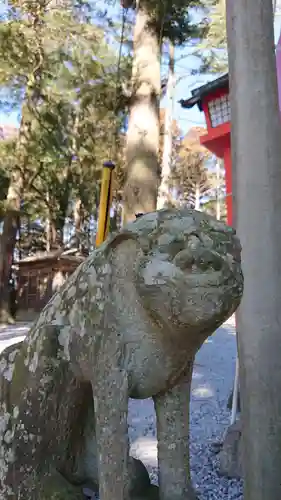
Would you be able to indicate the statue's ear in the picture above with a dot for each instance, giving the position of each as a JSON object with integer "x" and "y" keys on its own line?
{"x": 117, "y": 239}
{"x": 142, "y": 241}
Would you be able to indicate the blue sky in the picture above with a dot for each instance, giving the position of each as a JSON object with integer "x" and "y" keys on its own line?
{"x": 184, "y": 63}
{"x": 193, "y": 117}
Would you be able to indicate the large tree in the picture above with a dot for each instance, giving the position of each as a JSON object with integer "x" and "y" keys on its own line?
{"x": 70, "y": 109}
{"x": 33, "y": 23}
{"x": 142, "y": 177}
{"x": 212, "y": 51}
{"x": 256, "y": 153}
{"x": 190, "y": 178}
{"x": 154, "y": 22}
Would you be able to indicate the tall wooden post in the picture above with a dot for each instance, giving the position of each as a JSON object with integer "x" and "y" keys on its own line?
{"x": 256, "y": 167}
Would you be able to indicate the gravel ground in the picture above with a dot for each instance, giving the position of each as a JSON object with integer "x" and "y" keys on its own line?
{"x": 212, "y": 381}
{"x": 12, "y": 334}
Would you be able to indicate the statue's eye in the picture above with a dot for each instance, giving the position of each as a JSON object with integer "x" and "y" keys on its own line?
{"x": 184, "y": 259}
{"x": 209, "y": 260}
{"x": 172, "y": 248}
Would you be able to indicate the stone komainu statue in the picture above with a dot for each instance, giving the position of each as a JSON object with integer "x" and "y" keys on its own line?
{"x": 127, "y": 323}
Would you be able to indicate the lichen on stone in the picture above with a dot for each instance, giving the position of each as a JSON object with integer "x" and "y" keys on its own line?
{"x": 126, "y": 323}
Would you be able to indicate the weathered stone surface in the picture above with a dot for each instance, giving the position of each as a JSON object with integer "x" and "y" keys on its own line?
{"x": 51, "y": 485}
{"x": 230, "y": 456}
{"x": 127, "y": 323}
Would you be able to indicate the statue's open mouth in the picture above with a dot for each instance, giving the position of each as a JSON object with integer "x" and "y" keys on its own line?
{"x": 202, "y": 259}
{"x": 206, "y": 267}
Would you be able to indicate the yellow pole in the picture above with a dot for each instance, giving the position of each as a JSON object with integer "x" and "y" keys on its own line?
{"x": 105, "y": 202}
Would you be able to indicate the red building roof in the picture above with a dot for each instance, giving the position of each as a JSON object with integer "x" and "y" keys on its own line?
{"x": 197, "y": 95}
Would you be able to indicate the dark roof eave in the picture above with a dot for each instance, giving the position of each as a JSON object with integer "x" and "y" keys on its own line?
{"x": 204, "y": 90}
{"x": 189, "y": 103}
{"x": 47, "y": 259}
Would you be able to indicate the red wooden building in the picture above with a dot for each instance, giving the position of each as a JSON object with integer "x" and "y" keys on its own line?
{"x": 213, "y": 100}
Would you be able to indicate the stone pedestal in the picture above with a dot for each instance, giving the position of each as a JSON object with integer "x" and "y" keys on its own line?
{"x": 230, "y": 456}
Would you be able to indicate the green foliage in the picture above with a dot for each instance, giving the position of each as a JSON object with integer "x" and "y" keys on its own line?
{"x": 59, "y": 70}
{"x": 190, "y": 176}
{"x": 212, "y": 50}
{"x": 7, "y": 147}
{"x": 211, "y": 207}
{"x": 197, "y": 178}
{"x": 174, "y": 19}
{"x": 56, "y": 65}
{"x": 215, "y": 203}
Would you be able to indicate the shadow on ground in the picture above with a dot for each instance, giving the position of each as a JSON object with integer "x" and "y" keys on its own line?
{"x": 212, "y": 382}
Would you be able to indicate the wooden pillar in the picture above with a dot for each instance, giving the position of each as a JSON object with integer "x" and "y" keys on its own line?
{"x": 228, "y": 183}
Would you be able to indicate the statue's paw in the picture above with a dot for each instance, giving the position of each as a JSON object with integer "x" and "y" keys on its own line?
{"x": 139, "y": 477}
{"x": 52, "y": 486}
{"x": 151, "y": 493}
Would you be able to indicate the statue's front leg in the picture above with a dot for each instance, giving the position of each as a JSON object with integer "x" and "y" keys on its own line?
{"x": 111, "y": 409}
{"x": 172, "y": 413}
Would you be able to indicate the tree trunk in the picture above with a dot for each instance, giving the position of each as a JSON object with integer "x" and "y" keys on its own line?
{"x": 48, "y": 228}
{"x": 20, "y": 174}
{"x": 13, "y": 206}
{"x": 256, "y": 151}
{"x": 197, "y": 198}
{"x": 8, "y": 242}
{"x": 53, "y": 234}
{"x": 142, "y": 176}
{"x": 78, "y": 221}
{"x": 164, "y": 193}
{"x": 59, "y": 223}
